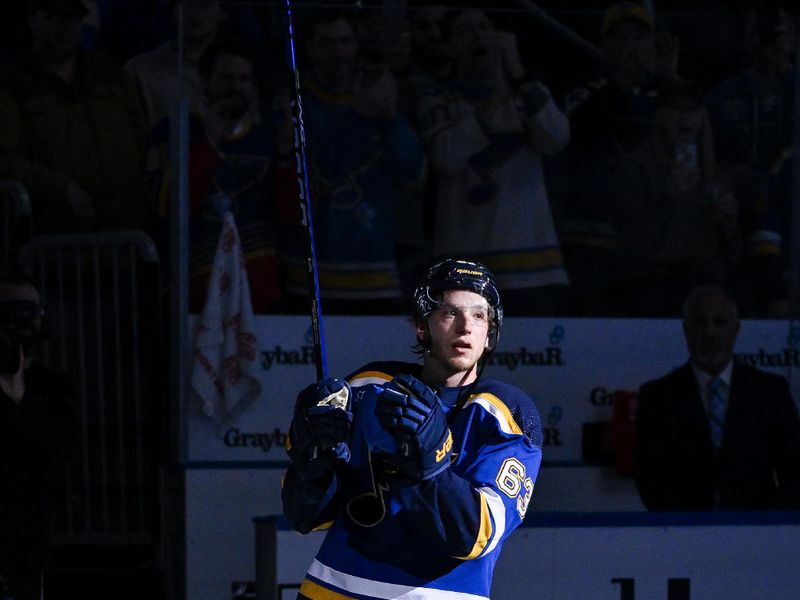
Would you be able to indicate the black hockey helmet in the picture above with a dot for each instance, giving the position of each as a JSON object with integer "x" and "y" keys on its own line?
{"x": 454, "y": 274}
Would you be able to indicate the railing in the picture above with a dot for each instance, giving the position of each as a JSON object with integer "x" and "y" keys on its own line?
{"x": 102, "y": 301}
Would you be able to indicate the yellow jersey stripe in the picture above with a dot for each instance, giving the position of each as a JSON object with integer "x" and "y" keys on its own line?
{"x": 323, "y": 526}
{"x": 484, "y": 532}
{"x": 766, "y": 249}
{"x": 531, "y": 260}
{"x": 361, "y": 586}
{"x": 495, "y": 407}
{"x": 317, "y": 592}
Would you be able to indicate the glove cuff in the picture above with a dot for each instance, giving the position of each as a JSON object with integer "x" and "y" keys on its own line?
{"x": 427, "y": 466}
{"x": 314, "y": 467}
{"x": 293, "y": 448}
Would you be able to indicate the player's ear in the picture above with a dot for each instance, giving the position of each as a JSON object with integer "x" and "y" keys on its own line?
{"x": 423, "y": 334}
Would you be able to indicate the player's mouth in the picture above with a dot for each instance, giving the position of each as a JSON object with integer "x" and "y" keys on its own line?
{"x": 461, "y": 346}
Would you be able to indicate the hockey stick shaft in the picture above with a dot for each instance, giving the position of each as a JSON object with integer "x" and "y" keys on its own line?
{"x": 305, "y": 204}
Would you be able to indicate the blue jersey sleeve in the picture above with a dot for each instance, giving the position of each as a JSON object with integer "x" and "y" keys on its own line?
{"x": 308, "y": 504}
{"x": 485, "y": 494}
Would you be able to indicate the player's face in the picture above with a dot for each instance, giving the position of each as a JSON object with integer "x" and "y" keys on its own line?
{"x": 473, "y": 42}
{"x": 10, "y": 292}
{"x": 200, "y": 20}
{"x": 58, "y": 32}
{"x": 711, "y": 326}
{"x": 627, "y": 38}
{"x": 333, "y": 50}
{"x": 683, "y": 123}
{"x": 459, "y": 330}
{"x": 427, "y": 41}
{"x": 232, "y": 82}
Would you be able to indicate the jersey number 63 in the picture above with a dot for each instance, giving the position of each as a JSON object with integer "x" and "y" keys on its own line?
{"x": 512, "y": 482}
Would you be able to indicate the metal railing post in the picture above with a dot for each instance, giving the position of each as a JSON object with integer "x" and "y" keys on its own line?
{"x": 266, "y": 557}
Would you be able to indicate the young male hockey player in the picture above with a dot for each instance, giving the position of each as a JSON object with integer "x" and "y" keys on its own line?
{"x": 419, "y": 471}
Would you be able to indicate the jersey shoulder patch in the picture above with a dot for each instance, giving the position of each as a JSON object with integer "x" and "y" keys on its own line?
{"x": 515, "y": 411}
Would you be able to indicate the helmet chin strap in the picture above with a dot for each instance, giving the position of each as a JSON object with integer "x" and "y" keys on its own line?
{"x": 466, "y": 391}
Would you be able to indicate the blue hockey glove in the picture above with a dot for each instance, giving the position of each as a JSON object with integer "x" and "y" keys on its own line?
{"x": 413, "y": 414}
{"x": 320, "y": 430}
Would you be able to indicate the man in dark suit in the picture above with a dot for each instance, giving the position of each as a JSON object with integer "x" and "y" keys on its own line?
{"x": 716, "y": 434}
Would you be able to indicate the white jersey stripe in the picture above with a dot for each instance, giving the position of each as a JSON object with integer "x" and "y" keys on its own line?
{"x": 495, "y": 407}
{"x": 498, "y": 511}
{"x": 378, "y": 589}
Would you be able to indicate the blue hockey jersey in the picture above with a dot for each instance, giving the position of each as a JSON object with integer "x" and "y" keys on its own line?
{"x": 389, "y": 537}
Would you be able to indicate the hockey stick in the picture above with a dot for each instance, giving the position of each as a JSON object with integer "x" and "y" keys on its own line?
{"x": 320, "y": 358}
{"x": 557, "y": 27}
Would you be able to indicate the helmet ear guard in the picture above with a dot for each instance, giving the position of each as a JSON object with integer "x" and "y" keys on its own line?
{"x": 493, "y": 337}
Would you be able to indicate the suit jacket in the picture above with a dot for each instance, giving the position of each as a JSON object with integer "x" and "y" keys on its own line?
{"x": 758, "y": 464}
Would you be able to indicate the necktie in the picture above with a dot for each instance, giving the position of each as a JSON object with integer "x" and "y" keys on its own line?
{"x": 716, "y": 410}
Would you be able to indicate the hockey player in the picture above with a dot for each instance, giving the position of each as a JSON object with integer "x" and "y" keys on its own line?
{"x": 419, "y": 472}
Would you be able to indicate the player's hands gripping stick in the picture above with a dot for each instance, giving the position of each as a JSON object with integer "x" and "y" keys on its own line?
{"x": 320, "y": 431}
{"x": 414, "y": 415}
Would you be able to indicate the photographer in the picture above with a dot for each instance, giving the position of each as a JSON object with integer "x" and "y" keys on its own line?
{"x": 38, "y": 431}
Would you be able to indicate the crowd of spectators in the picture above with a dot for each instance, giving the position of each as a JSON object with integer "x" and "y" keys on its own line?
{"x": 592, "y": 183}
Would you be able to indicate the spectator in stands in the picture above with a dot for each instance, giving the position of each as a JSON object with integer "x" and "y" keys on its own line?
{"x": 232, "y": 154}
{"x": 157, "y": 73}
{"x": 430, "y": 54}
{"x": 486, "y": 130}
{"x": 125, "y": 28}
{"x": 428, "y": 63}
{"x": 639, "y": 63}
{"x": 710, "y": 36}
{"x": 673, "y": 212}
{"x": 38, "y": 433}
{"x": 384, "y": 44}
{"x": 15, "y": 35}
{"x": 753, "y": 118}
{"x": 71, "y": 130}
{"x": 361, "y": 151}
{"x": 610, "y": 115}
{"x": 381, "y": 40}
{"x": 412, "y": 48}
{"x": 716, "y": 434}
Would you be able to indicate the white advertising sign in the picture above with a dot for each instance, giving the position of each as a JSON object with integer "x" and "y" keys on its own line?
{"x": 571, "y": 367}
